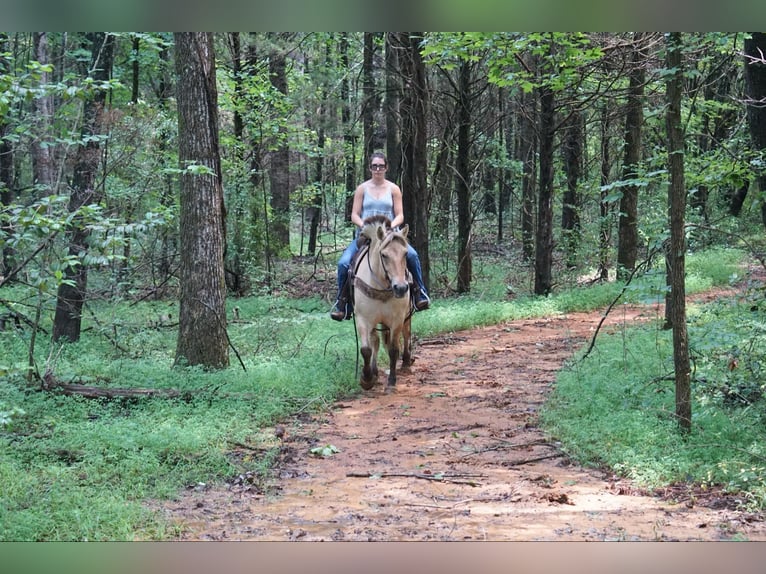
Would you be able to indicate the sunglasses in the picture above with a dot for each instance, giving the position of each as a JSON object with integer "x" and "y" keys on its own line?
{"x": 377, "y": 166}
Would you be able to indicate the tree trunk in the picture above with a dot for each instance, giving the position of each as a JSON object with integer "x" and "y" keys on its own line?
{"x": 442, "y": 177}
{"x": 573, "y": 162}
{"x": 202, "y": 338}
{"x": 677, "y": 252}
{"x": 42, "y": 157}
{"x": 755, "y": 90}
{"x": 414, "y": 108}
{"x": 348, "y": 132}
{"x": 6, "y": 170}
{"x": 168, "y": 236}
{"x": 392, "y": 104}
{"x": 235, "y": 272}
{"x": 315, "y": 209}
{"x": 627, "y": 249}
{"x": 462, "y": 176}
{"x": 544, "y": 236}
{"x": 368, "y": 89}
{"x": 85, "y": 190}
{"x": 279, "y": 166}
{"x": 605, "y": 224}
{"x": 527, "y": 110}
{"x": 135, "y": 69}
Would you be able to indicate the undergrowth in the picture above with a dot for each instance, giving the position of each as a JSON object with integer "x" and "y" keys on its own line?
{"x": 616, "y": 407}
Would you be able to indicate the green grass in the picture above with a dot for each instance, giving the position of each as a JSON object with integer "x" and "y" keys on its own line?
{"x": 83, "y": 469}
{"x": 616, "y": 407}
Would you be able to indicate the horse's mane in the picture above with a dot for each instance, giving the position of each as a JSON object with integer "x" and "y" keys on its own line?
{"x": 377, "y": 220}
{"x": 379, "y": 227}
{"x": 371, "y": 224}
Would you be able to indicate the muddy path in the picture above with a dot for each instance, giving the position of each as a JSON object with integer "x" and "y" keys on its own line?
{"x": 454, "y": 453}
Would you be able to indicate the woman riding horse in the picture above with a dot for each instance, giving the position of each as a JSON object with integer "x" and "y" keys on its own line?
{"x": 382, "y": 298}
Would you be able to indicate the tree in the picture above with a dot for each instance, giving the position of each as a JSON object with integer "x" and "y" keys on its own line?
{"x": 544, "y": 235}
{"x": 462, "y": 177}
{"x": 574, "y": 139}
{"x": 42, "y": 157}
{"x": 676, "y": 255}
{"x": 755, "y": 82}
{"x": 279, "y": 167}
{"x": 627, "y": 229}
{"x": 86, "y": 190}
{"x": 527, "y": 145}
{"x": 414, "y": 110}
{"x": 391, "y": 104}
{"x": 202, "y": 338}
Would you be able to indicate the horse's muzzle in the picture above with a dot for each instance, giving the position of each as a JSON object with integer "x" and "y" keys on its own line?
{"x": 400, "y": 290}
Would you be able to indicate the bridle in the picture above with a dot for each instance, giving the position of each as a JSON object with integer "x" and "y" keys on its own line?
{"x": 385, "y": 293}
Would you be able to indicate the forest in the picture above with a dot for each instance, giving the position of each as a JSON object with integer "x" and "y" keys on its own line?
{"x": 173, "y": 206}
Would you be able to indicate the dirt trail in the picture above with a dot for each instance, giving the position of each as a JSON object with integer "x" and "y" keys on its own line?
{"x": 453, "y": 454}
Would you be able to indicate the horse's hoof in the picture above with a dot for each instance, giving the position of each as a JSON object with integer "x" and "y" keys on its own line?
{"x": 390, "y": 389}
{"x": 367, "y": 385}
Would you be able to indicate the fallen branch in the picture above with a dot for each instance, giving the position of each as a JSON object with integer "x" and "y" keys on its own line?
{"x": 530, "y": 460}
{"x": 438, "y": 477}
{"x": 441, "y": 341}
{"x": 503, "y": 445}
{"x": 614, "y": 302}
{"x": 90, "y": 392}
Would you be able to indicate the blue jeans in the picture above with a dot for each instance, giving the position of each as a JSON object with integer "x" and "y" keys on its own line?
{"x": 413, "y": 264}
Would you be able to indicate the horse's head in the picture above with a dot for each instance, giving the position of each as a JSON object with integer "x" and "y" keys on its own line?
{"x": 392, "y": 248}
{"x": 388, "y": 253}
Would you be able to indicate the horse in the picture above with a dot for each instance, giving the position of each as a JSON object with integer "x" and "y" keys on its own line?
{"x": 382, "y": 298}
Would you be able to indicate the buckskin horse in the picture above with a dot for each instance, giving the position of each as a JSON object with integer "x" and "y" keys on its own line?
{"x": 382, "y": 298}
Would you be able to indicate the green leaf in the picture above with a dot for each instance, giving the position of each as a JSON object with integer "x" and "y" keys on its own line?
{"x": 324, "y": 451}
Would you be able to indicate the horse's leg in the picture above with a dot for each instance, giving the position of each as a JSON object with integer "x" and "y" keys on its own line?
{"x": 369, "y": 369}
{"x": 368, "y": 380}
{"x": 394, "y": 334}
{"x": 393, "y": 357}
{"x": 374, "y": 345}
{"x": 407, "y": 342}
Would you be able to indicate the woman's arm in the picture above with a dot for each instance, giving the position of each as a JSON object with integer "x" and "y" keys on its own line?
{"x": 356, "y": 209}
{"x": 396, "y": 193}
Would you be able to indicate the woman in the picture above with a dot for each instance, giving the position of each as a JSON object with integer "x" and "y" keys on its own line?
{"x": 376, "y": 196}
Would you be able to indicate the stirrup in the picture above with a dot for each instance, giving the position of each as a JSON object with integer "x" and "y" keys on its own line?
{"x": 338, "y": 312}
{"x": 422, "y": 301}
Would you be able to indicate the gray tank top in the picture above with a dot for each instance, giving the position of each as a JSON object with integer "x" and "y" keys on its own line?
{"x": 383, "y": 206}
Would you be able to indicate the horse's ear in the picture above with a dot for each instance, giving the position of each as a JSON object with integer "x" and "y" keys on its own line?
{"x": 381, "y": 232}
{"x": 404, "y": 230}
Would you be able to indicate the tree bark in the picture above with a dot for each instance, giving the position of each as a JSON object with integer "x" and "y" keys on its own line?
{"x": 573, "y": 162}
{"x": 369, "y": 102}
{"x": 279, "y": 166}
{"x": 392, "y": 104}
{"x": 544, "y": 236}
{"x": 67, "y": 321}
{"x": 6, "y": 170}
{"x": 605, "y": 225}
{"x": 527, "y": 110}
{"x": 462, "y": 177}
{"x": 42, "y": 158}
{"x": 202, "y": 338}
{"x": 348, "y": 133}
{"x": 755, "y": 89}
{"x": 627, "y": 231}
{"x": 414, "y": 108}
{"x": 677, "y": 253}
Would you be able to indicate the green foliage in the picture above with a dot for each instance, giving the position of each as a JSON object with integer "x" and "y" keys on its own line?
{"x": 616, "y": 408}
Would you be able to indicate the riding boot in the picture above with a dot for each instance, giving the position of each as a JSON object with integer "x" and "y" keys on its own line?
{"x": 341, "y": 310}
{"x": 421, "y": 299}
